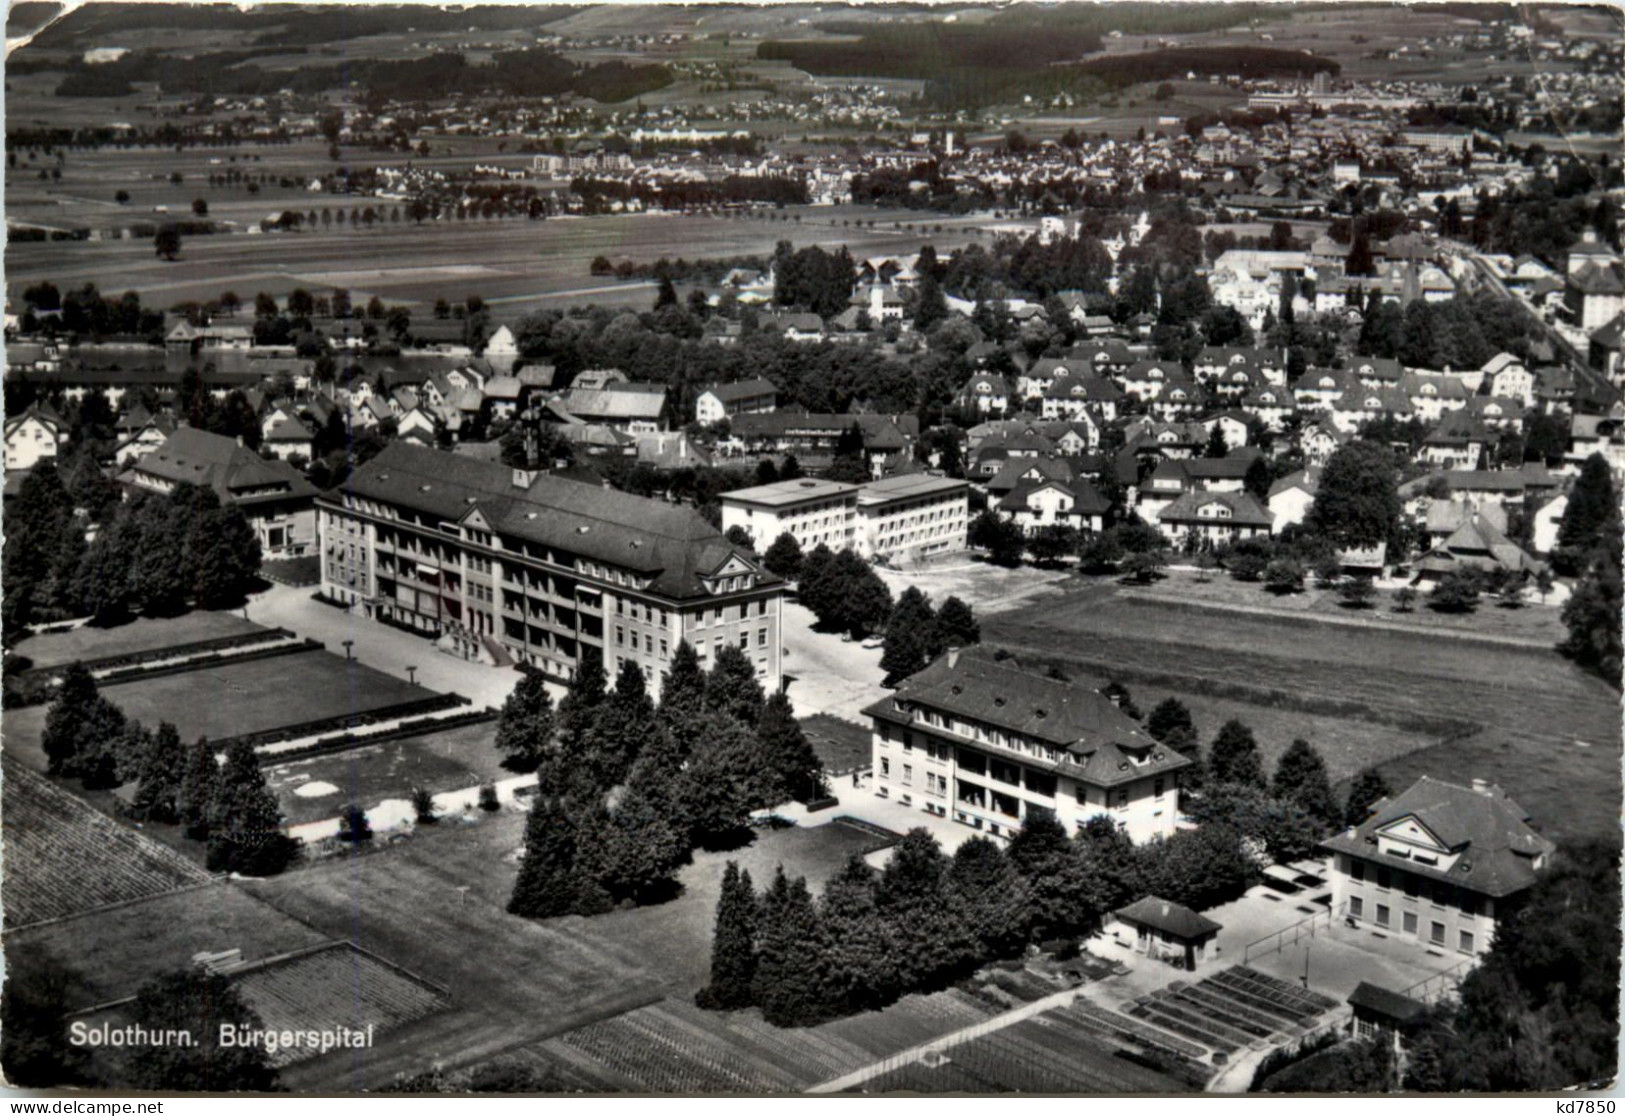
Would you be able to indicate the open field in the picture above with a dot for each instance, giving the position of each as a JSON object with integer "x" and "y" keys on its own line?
{"x": 63, "y": 857}
{"x": 1549, "y": 732}
{"x": 61, "y": 648}
{"x": 1540, "y": 625}
{"x": 439, "y": 761}
{"x": 522, "y": 265}
{"x": 117, "y": 950}
{"x": 841, "y": 745}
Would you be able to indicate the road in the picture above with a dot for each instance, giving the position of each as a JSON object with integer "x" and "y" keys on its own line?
{"x": 1597, "y": 384}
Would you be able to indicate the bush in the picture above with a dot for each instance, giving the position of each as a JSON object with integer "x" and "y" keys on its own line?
{"x": 423, "y": 805}
{"x": 488, "y": 798}
{"x": 1284, "y": 575}
{"x": 353, "y": 825}
{"x": 1457, "y": 591}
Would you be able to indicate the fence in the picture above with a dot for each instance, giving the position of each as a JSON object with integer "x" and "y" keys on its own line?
{"x": 1439, "y": 985}
{"x": 1290, "y": 935}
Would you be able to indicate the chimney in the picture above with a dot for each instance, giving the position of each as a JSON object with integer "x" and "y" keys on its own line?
{"x": 1165, "y": 910}
{"x": 953, "y": 657}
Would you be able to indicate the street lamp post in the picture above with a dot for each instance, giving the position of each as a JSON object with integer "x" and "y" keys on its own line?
{"x": 412, "y": 675}
{"x": 349, "y": 643}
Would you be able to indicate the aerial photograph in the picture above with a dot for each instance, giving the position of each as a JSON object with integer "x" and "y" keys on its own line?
{"x": 812, "y": 548}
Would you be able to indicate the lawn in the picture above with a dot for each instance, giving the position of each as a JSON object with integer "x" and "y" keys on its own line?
{"x": 1531, "y": 707}
{"x": 441, "y": 761}
{"x": 258, "y": 696}
{"x": 138, "y": 635}
{"x": 117, "y": 950}
{"x": 63, "y": 857}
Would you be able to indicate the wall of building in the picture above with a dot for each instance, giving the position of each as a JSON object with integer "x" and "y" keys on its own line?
{"x": 1389, "y": 889}
{"x": 936, "y": 771}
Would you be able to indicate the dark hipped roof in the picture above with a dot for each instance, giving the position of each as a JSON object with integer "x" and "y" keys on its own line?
{"x": 1487, "y": 830}
{"x": 193, "y": 456}
{"x": 1390, "y": 1005}
{"x": 1099, "y": 739}
{"x": 671, "y": 543}
{"x": 1164, "y": 914}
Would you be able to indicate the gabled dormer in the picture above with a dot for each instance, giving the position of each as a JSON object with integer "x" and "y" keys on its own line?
{"x": 1409, "y": 838}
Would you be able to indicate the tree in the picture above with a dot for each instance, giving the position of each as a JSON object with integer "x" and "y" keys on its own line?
{"x": 1143, "y": 566}
{"x": 1456, "y": 591}
{"x": 166, "y": 242}
{"x": 784, "y": 558}
{"x": 641, "y": 845}
{"x": 733, "y": 944}
{"x": 1233, "y": 757}
{"x": 162, "y": 768}
{"x": 68, "y": 719}
{"x": 1592, "y": 514}
{"x": 1051, "y": 543}
{"x": 922, "y": 913}
{"x": 957, "y": 625}
{"x": 682, "y": 695}
{"x": 732, "y": 688}
{"x": 1300, "y": 777}
{"x": 724, "y": 779}
{"x": 1357, "y": 592}
{"x": 1170, "y": 723}
{"x": 245, "y": 823}
{"x": 931, "y": 307}
{"x": 1368, "y": 787}
{"x": 1357, "y": 504}
{"x": 546, "y": 885}
{"x": 1284, "y": 575}
{"x": 1404, "y": 598}
{"x": 741, "y": 537}
{"x": 577, "y": 714}
{"x": 788, "y": 982}
{"x": 996, "y": 898}
{"x": 909, "y": 636}
{"x": 1002, "y": 538}
{"x": 787, "y": 752}
{"x": 35, "y": 1045}
{"x": 202, "y": 1004}
{"x": 1216, "y": 445}
{"x": 1197, "y": 868}
{"x": 200, "y": 786}
{"x": 856, "y": 947}
{"x": 624, "y": 720}
{"x": 1592, "y": 613}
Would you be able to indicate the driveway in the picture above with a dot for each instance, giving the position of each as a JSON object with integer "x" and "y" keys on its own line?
{"x": 830, "y": 676}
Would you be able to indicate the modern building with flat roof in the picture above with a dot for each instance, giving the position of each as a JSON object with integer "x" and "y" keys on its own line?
{"x": 910, "y": 517}
{"x": 813, "y": 512}
{"x": 504, "y": 565}
{"x": 991, "y": 745}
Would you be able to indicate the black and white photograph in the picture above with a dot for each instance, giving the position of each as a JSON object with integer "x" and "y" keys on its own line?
{"x": 840, "y": 549}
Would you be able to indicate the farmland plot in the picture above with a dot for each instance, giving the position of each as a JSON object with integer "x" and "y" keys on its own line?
{"x": 64, "y": 857}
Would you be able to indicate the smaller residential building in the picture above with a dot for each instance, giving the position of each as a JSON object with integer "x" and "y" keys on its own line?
{"x": 279, "y": 503}
{"x": 33, "y": 436}
{"x": 716, "y": 402}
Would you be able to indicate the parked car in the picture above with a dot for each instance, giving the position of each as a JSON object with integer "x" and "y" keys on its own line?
{"x": 875, "y": 641}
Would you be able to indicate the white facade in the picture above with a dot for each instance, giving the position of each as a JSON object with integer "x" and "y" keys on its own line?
{"x": 911, "y": 517}
{"x": 813, "y": 512}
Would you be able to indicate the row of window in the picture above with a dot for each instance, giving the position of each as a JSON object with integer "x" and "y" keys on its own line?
{"x": 1410, "y": 924}
{"x": 1415, "y": 887}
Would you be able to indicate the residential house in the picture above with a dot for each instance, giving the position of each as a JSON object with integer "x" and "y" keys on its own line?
{"x": 35, "y": 435}
{"x": 1048, "y": 501}
{"x": 1291, "y": 497}
{"x": 633, "y": 408}
{"x": 716, "y": 402}
{"x": 277, "y": 501}
{"x": 1213, "y": 518}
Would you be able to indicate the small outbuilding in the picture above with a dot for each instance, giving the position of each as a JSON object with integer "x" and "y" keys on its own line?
{"x": 1379, "y": 1012}
{"x": 1167, "y": 930}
